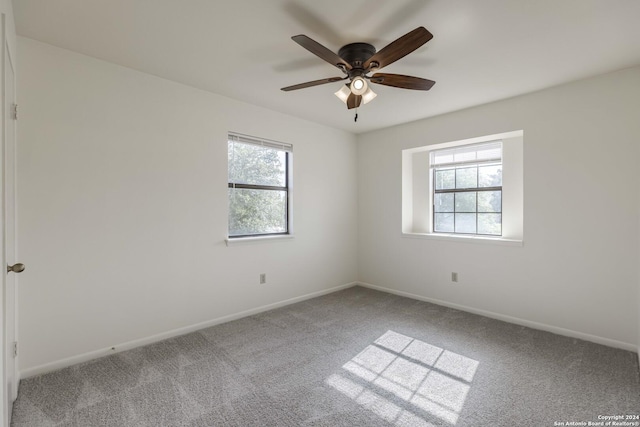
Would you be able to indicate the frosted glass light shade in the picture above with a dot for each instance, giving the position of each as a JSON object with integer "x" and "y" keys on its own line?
{"x": 343, "y": 93}
{"x": 368, "y": 96}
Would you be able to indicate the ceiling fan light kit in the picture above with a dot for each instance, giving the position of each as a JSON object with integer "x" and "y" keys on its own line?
{"x": 357, "y": 60}
{"x": 344, "y": 92}
{"x": 358, "y": 86}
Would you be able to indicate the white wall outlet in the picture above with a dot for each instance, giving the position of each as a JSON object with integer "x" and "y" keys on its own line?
{"x": 263, "y": 278}
{"x": 454, "y": 277}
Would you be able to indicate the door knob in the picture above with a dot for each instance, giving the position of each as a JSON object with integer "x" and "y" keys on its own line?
{"x": 16, "y": 268}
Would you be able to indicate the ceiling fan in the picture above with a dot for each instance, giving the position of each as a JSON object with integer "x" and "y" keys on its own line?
{"x": 357, "y": 60}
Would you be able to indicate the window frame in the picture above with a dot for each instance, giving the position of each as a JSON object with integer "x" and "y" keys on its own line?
{"x": 463, "y": 164}
{"x": 288, "y": 151}
{"x": 455, "y": 190}
{"x": 417, "y": 200}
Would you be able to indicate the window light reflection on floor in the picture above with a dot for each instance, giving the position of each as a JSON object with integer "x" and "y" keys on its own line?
{"x": 431, "y": 380}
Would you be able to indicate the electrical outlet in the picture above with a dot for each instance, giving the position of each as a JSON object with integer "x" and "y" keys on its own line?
{"x": 454, "y": 277}
{"x": 263, "y": 278}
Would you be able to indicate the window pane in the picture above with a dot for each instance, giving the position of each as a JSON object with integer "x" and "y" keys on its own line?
{"x": 443, "y": 222}
{"x": 465, "y": 223}
{"x": 466, "y": 202}
{"x": 467, "y": 177}
{"x": 257, "y": 211}
{"x": 443, "y": 202}
{"x": 253, "y": 164}
{"x": 445, "y": 179}
{"x": 490, "y": 223}
{"x": 489, "y": 201}
{"x": 466, "y": 153}
{"x": 490, "y": 176}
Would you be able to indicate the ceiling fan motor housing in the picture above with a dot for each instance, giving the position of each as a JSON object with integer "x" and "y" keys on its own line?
{"x": 356, "y": 54}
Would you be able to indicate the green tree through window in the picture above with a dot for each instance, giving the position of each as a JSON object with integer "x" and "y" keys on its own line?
{"x": 258, "y": 187}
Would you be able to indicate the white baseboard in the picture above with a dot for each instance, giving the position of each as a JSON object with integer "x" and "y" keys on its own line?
{"x": 534, "y": 325}
{"x": 85, "y": 357}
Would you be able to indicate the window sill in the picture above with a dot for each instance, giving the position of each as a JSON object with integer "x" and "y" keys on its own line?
{"x": 256, "y": 239}
{"x": 464, "y": 238}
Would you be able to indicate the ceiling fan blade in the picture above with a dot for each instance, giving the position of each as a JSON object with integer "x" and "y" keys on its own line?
{"x": 354, "y": 101}
{"x": 320, "y": 51}
{"x": 313, "y": 83}
{"x": 399, "y": 48}
{"x": 404, "y": 82}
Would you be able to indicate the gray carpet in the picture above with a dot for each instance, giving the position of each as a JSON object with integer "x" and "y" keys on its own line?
{"x": 352, "y": 358}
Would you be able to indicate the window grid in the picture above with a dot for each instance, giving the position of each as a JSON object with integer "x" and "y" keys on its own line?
{"x": 269, "y": 188}
{"x": 455, "y": 190}
{"x": 243, "y": 183}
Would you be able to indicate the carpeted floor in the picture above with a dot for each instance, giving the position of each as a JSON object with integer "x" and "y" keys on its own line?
{"x": 352, "y": 358}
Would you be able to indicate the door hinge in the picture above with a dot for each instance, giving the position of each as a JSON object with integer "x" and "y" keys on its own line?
{"x": 14, "y": 112}
{"x": 15, "y": 349}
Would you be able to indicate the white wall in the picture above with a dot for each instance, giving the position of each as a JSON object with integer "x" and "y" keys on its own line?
{"x": 6, "y": 8}
{"x": 123, "y": 207}
{"x": 577, "y": 268}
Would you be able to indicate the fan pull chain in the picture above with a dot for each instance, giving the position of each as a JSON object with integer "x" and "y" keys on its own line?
{"x": 355, "y": 119}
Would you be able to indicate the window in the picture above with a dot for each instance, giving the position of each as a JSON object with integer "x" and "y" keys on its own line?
{"x": 467, "y": 189}
{"x": 259, "y": 186}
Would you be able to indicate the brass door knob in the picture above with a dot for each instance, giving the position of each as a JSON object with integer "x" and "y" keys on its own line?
{"x": 16, "y": 268}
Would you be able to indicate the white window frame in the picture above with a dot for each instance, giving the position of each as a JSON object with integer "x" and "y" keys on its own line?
{"x": 490, "y": 153}
{"x": 288, "y": 148}
{"x": 417, "y": 191}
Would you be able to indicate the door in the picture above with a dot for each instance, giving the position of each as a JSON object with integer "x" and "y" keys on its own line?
{"x": 10, "y": 387}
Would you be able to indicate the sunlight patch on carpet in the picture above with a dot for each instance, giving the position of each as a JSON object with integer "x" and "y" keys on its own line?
{"x": 402, "y": 380}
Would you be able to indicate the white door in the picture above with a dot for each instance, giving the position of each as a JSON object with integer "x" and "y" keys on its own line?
{"x": 10, "y": 388}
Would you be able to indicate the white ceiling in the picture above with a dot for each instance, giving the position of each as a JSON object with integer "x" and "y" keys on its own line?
{"x": 482, "y": 50}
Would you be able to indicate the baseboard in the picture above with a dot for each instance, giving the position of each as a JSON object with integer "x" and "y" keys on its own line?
{"x": 85, "y": 357}
{"x": 518, "y": 321}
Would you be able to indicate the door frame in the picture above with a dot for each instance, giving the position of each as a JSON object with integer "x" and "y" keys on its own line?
{"x": 8, "y": 60}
